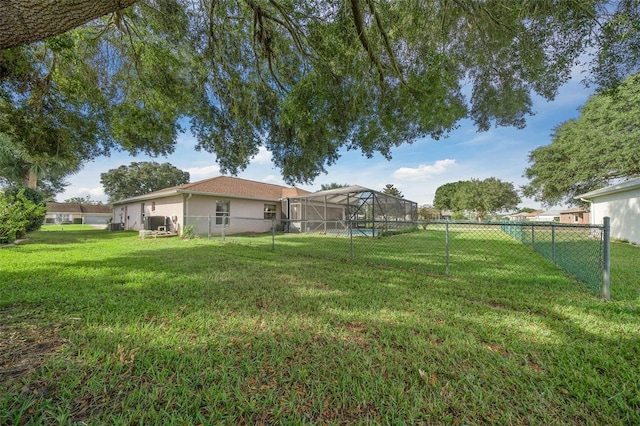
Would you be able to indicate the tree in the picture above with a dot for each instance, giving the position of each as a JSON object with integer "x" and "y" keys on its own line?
{"x": 140, "y": 178}
{"x": 486, "y": 196}
{"x": 332, "y": 185}
{"x": 64, "y": 102}
{"x": 480, "y": 196}
{"x": 36, "y": 170}
{"x": 20, "y": 25}
{"x": 610, "y": 26}
{"x": 303, "y": 79}
{"x": 444, "y": 195}
{"x": 597, "y": 149}
{"x": 83, "y": 200}
{"x": 427, "y": 213}
{"x": 392, "y": 190}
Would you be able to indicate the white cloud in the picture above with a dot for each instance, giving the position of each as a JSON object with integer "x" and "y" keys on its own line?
{"x": 479, "y": 139}
{"x": 186, "y": 140}
{"x": 423, "y": 170}
{"x": 96, "y": 193}
{"x": 262, "y": 157}
{"x": 199, "y": 173}
{"x": 270, "y": 178}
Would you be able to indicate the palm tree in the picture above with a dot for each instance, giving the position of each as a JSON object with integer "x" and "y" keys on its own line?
{"x": 18, "y": 166}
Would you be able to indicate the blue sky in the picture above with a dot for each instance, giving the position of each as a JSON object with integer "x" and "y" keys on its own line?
{"x": 417, "y": 170}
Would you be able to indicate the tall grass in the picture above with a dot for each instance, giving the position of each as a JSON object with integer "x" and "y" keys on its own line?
{"x": 105, "y": 328}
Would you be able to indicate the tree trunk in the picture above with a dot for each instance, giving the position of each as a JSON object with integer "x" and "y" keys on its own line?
{"x": 32, "y": 180}
{"x": 27, "y": 21}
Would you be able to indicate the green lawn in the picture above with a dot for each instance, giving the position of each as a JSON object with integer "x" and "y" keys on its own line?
{"x": 105, "y": 328}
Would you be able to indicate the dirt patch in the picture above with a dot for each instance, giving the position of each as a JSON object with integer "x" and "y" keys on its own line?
{"x": 23, "y": 348}
{"x": 13, "y": 244}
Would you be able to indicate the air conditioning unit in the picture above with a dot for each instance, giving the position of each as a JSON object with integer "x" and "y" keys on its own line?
{"x": 152, "y": 223}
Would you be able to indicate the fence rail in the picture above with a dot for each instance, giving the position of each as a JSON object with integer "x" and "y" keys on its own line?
{"x": 480, "y": 250}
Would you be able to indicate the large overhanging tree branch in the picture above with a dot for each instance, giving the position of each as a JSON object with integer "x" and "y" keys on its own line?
{"x": 599, "y": 148}
{"x": 28, "y": 21}
{"x": 303, "y": 78}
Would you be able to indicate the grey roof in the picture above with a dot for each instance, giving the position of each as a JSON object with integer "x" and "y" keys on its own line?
{"x": 620, "y": 187}
{"x": 342, "y": 195}
{"x": 549, "y": 213}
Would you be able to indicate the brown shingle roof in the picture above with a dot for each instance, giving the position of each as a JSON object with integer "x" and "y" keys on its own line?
{"x": 575, "y": 210}
{"x": 63, "y": 208}
{"x": 53, "y": 207}
{"x": 232, "y": 186}
{"x": 293, "y": 192}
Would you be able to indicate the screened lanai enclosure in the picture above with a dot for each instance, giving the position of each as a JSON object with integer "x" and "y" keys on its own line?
{"x": 352, "y": 209}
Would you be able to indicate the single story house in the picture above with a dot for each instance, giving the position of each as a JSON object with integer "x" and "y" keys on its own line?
{"x": 549, "y": 216}
{"x": 524, "y": 216}
{"x": 620, "y": 202}
{"x": 90, "y": 214}
{"x": 232, "y": 205}
{"x": 576, "y": 216}
{"x": 210, "y": 206}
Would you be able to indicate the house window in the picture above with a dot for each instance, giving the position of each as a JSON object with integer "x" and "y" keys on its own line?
{"x": 576, "y": 218}
{"x": 222, "y": 212}
{"x": 295, "y": 212}
{"x": 269, "y": 211}
{"x": 153, "y": 206}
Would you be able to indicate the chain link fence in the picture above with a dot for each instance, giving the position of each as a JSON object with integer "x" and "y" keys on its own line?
{"x": 515, "y": 251}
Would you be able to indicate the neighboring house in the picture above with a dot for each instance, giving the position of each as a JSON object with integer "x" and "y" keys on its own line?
{"x": 211, "y": 205}
{"x": 576, "y": 215}
{"x": 549, "y": 216}
{"x": 621, "y": 203}
{"x": 446, "y": 214}
{"x": 524, "y": 216}
{"x": 90, "y": 214}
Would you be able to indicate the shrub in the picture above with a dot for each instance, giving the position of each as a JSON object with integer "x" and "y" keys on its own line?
{"x": 35, "y": 217}
{"x": 407, "y": 230}
{"x": 189, "y": 231}
{"x": 18, "y": 215}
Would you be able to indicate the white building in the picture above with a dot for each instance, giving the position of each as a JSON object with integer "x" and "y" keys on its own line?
{"x": 548, "y": 216}
{"x": 621, "y": 202}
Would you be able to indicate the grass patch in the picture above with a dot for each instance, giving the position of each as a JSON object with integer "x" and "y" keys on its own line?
{"x": 72, "y": 227}
{"x": 186, "y": 332}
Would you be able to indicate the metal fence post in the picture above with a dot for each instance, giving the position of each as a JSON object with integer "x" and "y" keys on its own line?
{"x": 224, "y": 224}
{"x": 606, "y": 259}
{"x": 351, "y": 238}
{"x": 533, "y": 237}
{"x": 273, "y": 234}
{"x": 553, "y": 243}
{"x": 446, "y": 239}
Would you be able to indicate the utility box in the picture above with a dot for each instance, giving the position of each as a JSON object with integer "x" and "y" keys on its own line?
{"x": 116, "y": 226}
{"x": 152, "y": 223}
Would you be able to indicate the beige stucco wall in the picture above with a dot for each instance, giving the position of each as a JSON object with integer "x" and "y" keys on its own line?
{"x": 131, "y": 213}
{"x": 171, "y": 207}
{"x": 245, "y": 215}
{"x": 624, "y": 210}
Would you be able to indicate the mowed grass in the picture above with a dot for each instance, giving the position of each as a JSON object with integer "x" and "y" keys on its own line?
{"x": 106, "y": 328}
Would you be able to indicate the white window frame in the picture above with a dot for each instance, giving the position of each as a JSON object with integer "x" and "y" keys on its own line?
{"x": 222, "y": 213}
{"x": 270, "y": 214}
